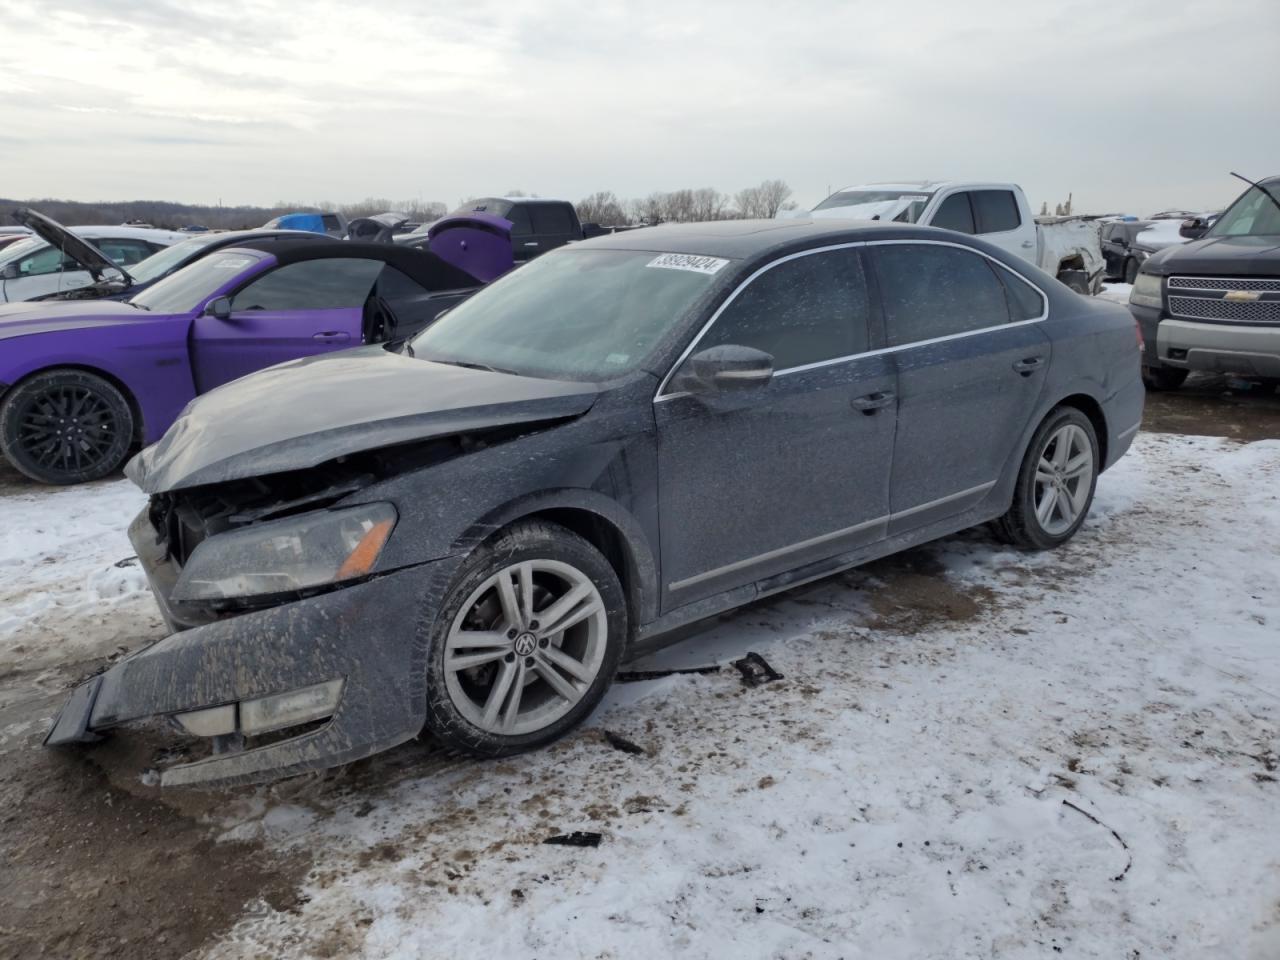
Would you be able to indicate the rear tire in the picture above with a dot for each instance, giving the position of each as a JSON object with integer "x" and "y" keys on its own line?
{"x": 1055, "y": 483}
{"x": 515, "y": 662}
{"x": 1077, "y": 280}
{"x": 66, "y": 426}
{"x": 1163, "y": 378}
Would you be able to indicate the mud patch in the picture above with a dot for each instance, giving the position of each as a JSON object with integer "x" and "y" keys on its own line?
{"x": 1208, "y": 406}
{"x": 910, "y": 593}
{"x": 95, "y": 869}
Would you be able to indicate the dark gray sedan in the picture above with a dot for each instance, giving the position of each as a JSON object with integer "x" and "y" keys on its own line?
{"x": 469, "y": 531}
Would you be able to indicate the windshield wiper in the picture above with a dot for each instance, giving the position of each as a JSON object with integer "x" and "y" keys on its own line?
{"x": 473, "y": 365}
{"x": 1270, "y": 196}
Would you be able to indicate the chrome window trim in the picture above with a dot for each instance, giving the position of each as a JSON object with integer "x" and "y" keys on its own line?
{"x": 823, "y": 538}
{"x": 659, "y": 396}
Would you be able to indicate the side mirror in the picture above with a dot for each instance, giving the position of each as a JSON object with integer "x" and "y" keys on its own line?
{"x": 1193, "y": 229}
{"x": 219, "y": 307}
{"x": 10, "y": 272}
{"x": 728, "y": 368}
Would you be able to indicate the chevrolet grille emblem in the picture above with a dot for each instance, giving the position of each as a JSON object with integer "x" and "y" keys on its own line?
{"x": 1243, "y": 296}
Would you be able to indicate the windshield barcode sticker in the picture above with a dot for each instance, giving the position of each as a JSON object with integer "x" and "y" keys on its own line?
{"x": 687, "y": 261}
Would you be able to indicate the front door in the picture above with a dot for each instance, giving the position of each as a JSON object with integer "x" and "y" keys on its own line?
{"x": 792, "y": 472}
{"x": 296, "y": 310}
{"x": 971, "y": 362}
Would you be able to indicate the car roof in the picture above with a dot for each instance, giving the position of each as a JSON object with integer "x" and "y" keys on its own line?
{"x": 740, "y": 239}
{"x": 423, "y": 267}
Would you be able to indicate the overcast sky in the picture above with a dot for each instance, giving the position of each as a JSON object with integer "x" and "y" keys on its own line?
{"x": 1132, "y": 106}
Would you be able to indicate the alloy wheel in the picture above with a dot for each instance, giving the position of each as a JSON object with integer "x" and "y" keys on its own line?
{"x": 1064, "y": 478}
{"x": 525, "y": 647}
{"x": 68, "y": 428}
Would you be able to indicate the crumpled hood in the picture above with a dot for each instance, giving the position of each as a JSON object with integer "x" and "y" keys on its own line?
{"x": 24, "y": 319}
{"x": 305, "y": 412}
{"x": 1222, "y": 256}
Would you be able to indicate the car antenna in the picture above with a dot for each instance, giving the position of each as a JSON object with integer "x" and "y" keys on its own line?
{"x": 1270, "y": 196}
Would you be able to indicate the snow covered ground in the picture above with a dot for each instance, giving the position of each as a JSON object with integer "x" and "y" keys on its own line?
{"x": 973, "y": 753}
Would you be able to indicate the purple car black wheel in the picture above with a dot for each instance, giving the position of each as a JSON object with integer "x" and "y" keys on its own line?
{"x": 66, "y": 426}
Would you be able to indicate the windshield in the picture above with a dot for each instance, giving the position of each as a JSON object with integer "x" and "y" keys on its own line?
{"x": 160, "y": 264}
{"x": 571, "y": 315}
{"x": 1253, "y": 215}
{"x": 905, "y": 205}
{"x": 184, "y": 290}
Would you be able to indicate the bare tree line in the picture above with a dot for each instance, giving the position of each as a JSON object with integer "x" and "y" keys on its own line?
{"x": 603, "y": 207}
{"x": 687, "y": 205}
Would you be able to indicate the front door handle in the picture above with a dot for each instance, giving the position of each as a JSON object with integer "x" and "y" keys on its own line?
{"x": 1028, "y": 365}
{"x": 872, "y": 402}
{"x": 531, "y": 243}
{"x": 332, "y": 336}
{"x": 1028, "y": 244}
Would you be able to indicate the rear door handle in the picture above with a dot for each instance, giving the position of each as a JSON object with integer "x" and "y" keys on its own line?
{"x": 1028, "y": 365}
{"x": 332, "y": 336}
{"x": 531, "y": 244}
{"x": 872, "y": 402}
{"x": 1028, "y": 244}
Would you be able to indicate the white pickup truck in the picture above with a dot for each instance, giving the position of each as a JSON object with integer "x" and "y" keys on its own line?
{"x": 1064, "y": 247}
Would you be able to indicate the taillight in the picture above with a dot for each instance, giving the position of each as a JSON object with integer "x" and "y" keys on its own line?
{"x": 1142, "y": 344}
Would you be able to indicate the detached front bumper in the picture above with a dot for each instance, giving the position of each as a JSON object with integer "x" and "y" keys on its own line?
{"x": 367, "y": 635}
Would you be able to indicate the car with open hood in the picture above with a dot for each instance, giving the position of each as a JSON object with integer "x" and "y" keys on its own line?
{"x": 469, "y": 531}
{"x": 123, "y": 283}
{"x": 59, "y": 258}
{"x": 82, "y": 383}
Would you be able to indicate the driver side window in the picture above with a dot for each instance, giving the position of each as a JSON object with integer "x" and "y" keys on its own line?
{"x": 325, "y": 284}
{"x": 805, "y": 310}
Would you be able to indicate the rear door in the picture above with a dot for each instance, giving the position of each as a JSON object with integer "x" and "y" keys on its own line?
{"x": 971, "y": 360}
{"x": 296, "y": 310}
{"x": 790, "y": 473}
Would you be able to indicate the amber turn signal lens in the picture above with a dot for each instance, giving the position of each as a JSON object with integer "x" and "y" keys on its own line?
{"x": 362, "y": 558}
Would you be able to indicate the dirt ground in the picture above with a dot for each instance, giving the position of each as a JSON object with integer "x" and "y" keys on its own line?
{"x": 96, "y": 864}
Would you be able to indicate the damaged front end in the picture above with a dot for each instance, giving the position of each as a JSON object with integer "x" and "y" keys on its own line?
{"x": 277, "y": 597}
{"x": 296, "y": 563}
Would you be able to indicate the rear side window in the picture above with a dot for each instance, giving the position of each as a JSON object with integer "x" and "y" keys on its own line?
{"x": 330, "y": 221}
{"x": 311, "y": 285}
{"x": 932, "y": 291}
{"x": 551, "y": 218}
{"x": 996, "y": 211}
{"x": 955, "y": 214}
{"x": 1025, "y": 301}
{"x": 394, "y": 285}
{"x": 805, "y": 310}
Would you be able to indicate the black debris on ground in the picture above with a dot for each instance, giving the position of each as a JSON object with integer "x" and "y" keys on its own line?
{"x": 755, "y": 670}
{"x": 579, "y": 838}
{"x": 622, "y": 743}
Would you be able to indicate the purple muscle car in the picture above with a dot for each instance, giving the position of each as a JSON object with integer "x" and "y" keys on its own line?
{"x": 83, "y": 383}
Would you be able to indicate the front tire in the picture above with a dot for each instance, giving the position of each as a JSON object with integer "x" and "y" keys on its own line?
{"x": 1130, "y": 271}
{"x": 1055, "y": 484}
{"x": 66, "y": 426}
{"x": 1163, "y": 378}
{"x": 526, "y": 642}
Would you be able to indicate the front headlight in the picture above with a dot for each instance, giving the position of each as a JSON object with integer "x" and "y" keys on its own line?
{"x": 311, "y": 550}
{"x": 1148, "y": 291}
